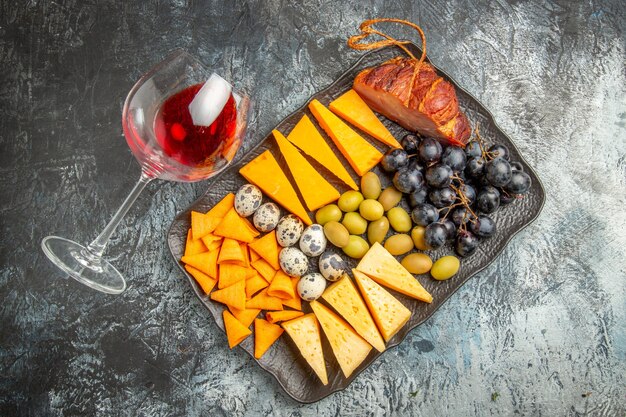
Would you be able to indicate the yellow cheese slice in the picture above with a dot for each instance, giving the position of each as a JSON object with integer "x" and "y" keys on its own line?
{"x": 305, "y": 333}
{"x": 351, "y": 107}
{"x": 306, "y": 137}
{"x": 316, "y": 191}
{"x": 383, "y": 268}
{"x": 264, "y": 172}
{"x": 349, "y": 348}
{"x": 345, "y": 299}
{"x": 389, "y": 313}
{"x": 361, "y": 155}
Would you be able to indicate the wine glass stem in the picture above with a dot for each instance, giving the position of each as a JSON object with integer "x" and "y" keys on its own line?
{"x": 99, "y": 244}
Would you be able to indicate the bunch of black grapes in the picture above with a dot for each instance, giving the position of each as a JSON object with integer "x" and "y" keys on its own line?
{"x": 452, "y": 191}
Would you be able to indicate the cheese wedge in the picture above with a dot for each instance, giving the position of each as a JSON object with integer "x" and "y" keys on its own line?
{"x": 389, "y": 313}
{"x": 223, "y": 206}
{"x": 194, "y": 247}
{"x": 265, "y": 334}
{"x": 264, "y": 172}
{"x": 345, "y": 299}
{"x": 234, "y": 296}
{"x": 361, "y": 155}
{"x": 383, "y": 268}
{"x": 306, "y": 137}
{"x": 349, "y": 348}
{"x": 245, "y": 317}
{"x": 206, "y": 282}
{"x": 316, "y": 191}
{"x": 203, "y": 224}
{"x": 305, "y": 333}
{"x": 267, "y": 248}
{"x": 351, "y": 107}
{"x": 235, "y": 331}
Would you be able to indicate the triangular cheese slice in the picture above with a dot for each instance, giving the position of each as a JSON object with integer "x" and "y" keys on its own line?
{"x": 345, "y": 299}
{"x": 222, "y": 207}
{"x": 231, "y": 252}
{"x": 193, "y": 247}
{"x": 235, "y": 331}
{"x": 267, "y": 248}
{"x": 234, "y": 296}
{"x": 296, "y": 301}
{"x": 264, "y": 172}
{"x": 229, "y": 274}
{"x": 306, "y": 137}
{"x": 389, "y": 313}
{"x": 305, "y": 333}
{"x": 254, "y": 285}
{"x": 233, "y": 226}
{"x": 265, "y": 334}
{"x": 278, "y": 316}
{"x": 281, "y": 286}
{"x": 206, "y": 282}
{"x": 204, "y": 261}
{"x": 202, "y": 224}
{"x": 361, "y": 155}
{"x": 349, "y": 348}
{"x": 245, "y": 317}
{"x": 316, "y": 191}
{"x": 383, "y": 268}
{"x": 351, "y": 107}
{"x": 265, "y": 302}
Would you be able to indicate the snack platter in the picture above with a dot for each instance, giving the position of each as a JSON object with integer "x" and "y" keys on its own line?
{"x": 283, "y": 360}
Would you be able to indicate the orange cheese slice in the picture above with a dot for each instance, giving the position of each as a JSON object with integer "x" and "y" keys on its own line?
{"x": 351, "y": 107}
{"x": 205, "y": 262}
{"x": 203, "y": 224}
{"x": 206, "y": 282}
{"x": 361, "y": 155}
{"x": 235, "y": 331}
{"x": 305, "y": 333}
{"x": 278, "y": 316}
{"x": 264, "y": 172}
{"x": 193, "y": 247}
{"x": 306, "y": 137}
{"x": 245, "y": 317}
{"x": 383, "y": 268}
{"x": 345, "y": 299}
{"x": 233, "y": 226}
{"x": 389, "y": 313}
{"x": 267, "y": 248}
{"x": 222, "y": 207}
{"x": 316, "y": 191}
{"x": 281, "y": 286}
{"x": 265, "y": 334}
{"x": 349, "y": 348}
{"x": 233, "y": 296}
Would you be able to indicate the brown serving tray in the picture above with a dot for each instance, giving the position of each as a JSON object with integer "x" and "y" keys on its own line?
{"x": 283, "y": 360}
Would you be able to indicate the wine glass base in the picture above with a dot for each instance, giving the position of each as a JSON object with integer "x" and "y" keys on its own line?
{"x": 82, "y": 265}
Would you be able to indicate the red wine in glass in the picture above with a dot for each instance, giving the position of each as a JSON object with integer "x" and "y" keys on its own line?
{"x": 182, "y": 123}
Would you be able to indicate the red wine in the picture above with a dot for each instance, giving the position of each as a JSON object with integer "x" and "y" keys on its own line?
{"x": 189, "y": 144}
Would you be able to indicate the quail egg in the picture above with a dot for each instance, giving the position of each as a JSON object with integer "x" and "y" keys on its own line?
{"x": 332, "y": 266}
{"x": 247, "y": 200}
{"x": 266, "y": 217}
{"x": 311, "y": 286}
{"x": 313, "y": 240}
{"x": 293, "y": 262}
{"x": 289, "y": 230}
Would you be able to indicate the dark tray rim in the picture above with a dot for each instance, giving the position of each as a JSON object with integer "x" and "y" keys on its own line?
{"x": 446, "y": 298}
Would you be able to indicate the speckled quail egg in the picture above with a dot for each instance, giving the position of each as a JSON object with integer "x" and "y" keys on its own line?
{"x": 332, "y": 266}
{"x": 289, "y": 230}
{"x": 311, "y": 286}
{"x": 293, "y": 261}
{"x": 247, "y": 200}
{"x": 266, "y": 217}
{"x": 313, "y": 240}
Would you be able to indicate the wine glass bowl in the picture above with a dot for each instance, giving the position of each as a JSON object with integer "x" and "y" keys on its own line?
{"x": 182, "y": 122}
